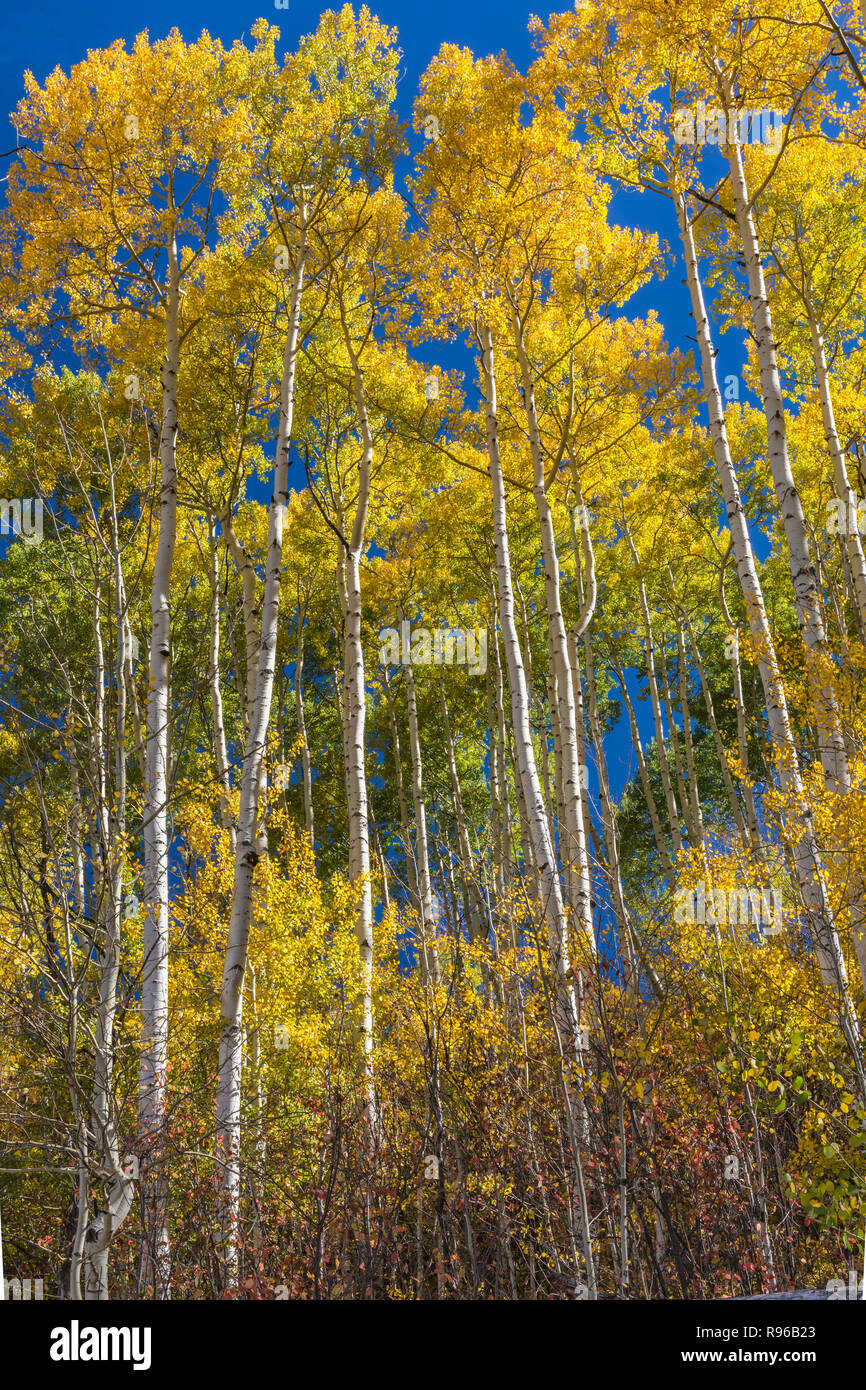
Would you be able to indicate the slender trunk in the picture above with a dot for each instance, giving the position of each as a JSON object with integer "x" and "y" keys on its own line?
{"x": 493, "y": 788}
{"x": 526, "y": 846}
{"x": 559, "y": 834}
{"x": 549, "y": 894}
{"x": 119, "y": 1187}
{"x": 611, "y": 838}
{"x": 219, "y": 732}
{"x": 383, "y": 867}
{"x": 682, "y": 789}
{"x": 717, "y": 738}
{"x": 504, "y": 799}
{"x": 691, "y": 768}
{"x": 354, "y": 719}
{"x": 545, "y": 751}
{"x": 411, "y": 875}
{"x": 739, "y": 700}
{"x": 247, "y": 853}
{"x": 79, "y": 1108}
{"x": 472, "y": 897}
{"x": 429, "y": 952}
{"x": 302, "y": 732}
{"x": 573, "y": 845}
{"x": 76, "y": 827}
{"x": 154, "y": 982}
{"x": 830, "y": 743}
{"x": 587, "y": 589}
{"x": 844, "y": 491}
{"x": 498, "y": 905}
{"x": 655, "y": 821}
{"x": 809, "y": 872}
{"x": 649, "y": 653}
{"x": 246, "y": 570}
{"x": 252, "y": 640}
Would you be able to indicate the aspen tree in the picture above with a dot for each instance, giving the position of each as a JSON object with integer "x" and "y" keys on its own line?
{"x": 457, "y": 216}
{"x": 313, "y": 157}
{"x": 117, "y": 138}
{"x": 659, "y": 160}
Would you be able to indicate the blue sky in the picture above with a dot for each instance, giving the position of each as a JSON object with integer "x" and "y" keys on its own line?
{"x": 44, "y": 35}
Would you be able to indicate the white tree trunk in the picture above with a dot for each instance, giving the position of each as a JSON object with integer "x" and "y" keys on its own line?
{"x": 742, "y": 739}
{"x": 649, "y": 653}
{"x": 354, "y": 723}
{"x": 574, "y": 848}
{"x": 694, "y": 790}
{"x": 611, "y": 836}
{"x": 154, "y": 984}
{"x": 844, "y": 491}
{"x": 549, "y": 894}
{"x": 809, "y": 873}
{"x": 306, "y": 769}
{"x": 411, "y": 875}
{"x": 219, "y": 732}
{"x": 473, "y": 903}
{"x": 246, "y": 570}
{"x": 119, "y": 1186}
{"x": 831, "y": 745}
{"x": 682, "y": 789}
{"x": 429, "y": 952}
{"x": 248, "y": 850}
